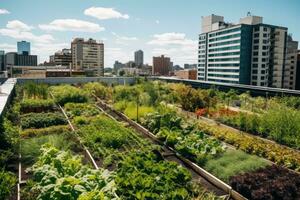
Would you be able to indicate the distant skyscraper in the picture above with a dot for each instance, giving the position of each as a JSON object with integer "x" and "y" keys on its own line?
{"x": 161, "y": 65}
{"x": 23, "y": 48}
{"x": 139, "y": 58}
{"x": 88, "y": 55}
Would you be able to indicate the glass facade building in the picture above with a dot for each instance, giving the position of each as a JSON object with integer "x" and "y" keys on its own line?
{"x": 23, "y": 48}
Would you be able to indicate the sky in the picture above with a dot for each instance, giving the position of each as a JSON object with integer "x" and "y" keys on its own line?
{"x": 168, "y": 27}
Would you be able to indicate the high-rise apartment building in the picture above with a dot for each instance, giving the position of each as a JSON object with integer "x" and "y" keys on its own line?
{"x": 62, "y": 58}
{"x": 88, "y": 55}
{"x": 139, "y": 58}
{"x": 290, "y": 68}
{"x": 161, "y": 66}
{"x": 23, "y": 48}
{"x": 249, "y": 52}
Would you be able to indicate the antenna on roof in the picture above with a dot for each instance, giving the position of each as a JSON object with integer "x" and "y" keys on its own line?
{"x": 248, "y": 14}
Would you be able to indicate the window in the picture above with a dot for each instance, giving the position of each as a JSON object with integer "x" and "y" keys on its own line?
{"x": 263, "y": 60}
{"x": 255, "y": 59}
{"x": 265, "y": 29}
{"x": 256, "y": 29}
{"x": 254, "y": 77}
{"x": 265, "y": 47}
{"x": 256, "y": 41}
{"x": 264, "y": 53}
{"x": 255, "y": 47}
{"x": 262, "y": 78}
{"x": 255, "y": 53}
{"x": 263, "y": 71}
{"x": 263, "y": 65}
{"x": 256, "y": 35}
{"x": 254, "y": 65}
{"x": 254, "y": 71}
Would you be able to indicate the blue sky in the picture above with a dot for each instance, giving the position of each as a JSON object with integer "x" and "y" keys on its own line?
{"x": 169, "y": 27}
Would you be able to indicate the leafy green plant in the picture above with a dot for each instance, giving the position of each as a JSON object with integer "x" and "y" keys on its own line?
{"x": 60, "y": 175}
{"x": 80, "y": 109}
{"x": 146, "y": 176}
{"x": 253, "y": 145}
{"x": 37, "y": 105}
{"x": 7, "y": 183}
{"x": 42, "y": 120}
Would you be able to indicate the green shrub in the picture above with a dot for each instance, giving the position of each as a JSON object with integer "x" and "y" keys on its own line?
{"x": 65, "y": 93}
{"x": 101, "y": 91}
{"x": 42, "y": 120}
{"x": 37, "y": 105}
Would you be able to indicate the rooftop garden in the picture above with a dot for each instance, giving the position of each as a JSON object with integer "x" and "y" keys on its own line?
{"x": 69, "y": 148}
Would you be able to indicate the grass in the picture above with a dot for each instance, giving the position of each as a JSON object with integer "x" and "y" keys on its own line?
{"x": 131, "y": 109}
{"x": 233, "y": 162}
{"x": 30, "y": 148}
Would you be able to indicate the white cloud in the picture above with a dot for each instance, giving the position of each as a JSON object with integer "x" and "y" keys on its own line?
{"x": 112, "y": 54}
{"x": 8, "y": 47}
{"x": 171, "y": 39}
{"x": 44, "y": 50}
{"x": 157, "y": 21}
{"x": 18, "y": 25}
{"x": 19, "y": 30}
{"x": 71, "y": 25}
{"x": 175, "y": 45}
{"x": 123, "y": 39}
{"x": 3, "y": 11}
{"x": 104, "y": 13}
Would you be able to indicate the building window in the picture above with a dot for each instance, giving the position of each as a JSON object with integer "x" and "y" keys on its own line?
{"x": 255, "y": 53}
{"x": 265, "y": 29}
{"x": 254, "y": 77}
{"x": 256, "y": 35}
{"x": 256, "y": 41}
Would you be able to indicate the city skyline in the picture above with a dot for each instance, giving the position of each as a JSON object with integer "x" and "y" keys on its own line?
{"x": 118, "y": 25}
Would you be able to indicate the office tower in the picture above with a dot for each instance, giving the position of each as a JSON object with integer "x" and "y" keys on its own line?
{"x": 23, "y": 48}
{"x": 249, "y": 52}
{"x": 139, "y": 58}
{"x": 161, "y": 66}
{"x": 2, "y": 60}
{"x": 62, "y": 58}
{"x": 88, "y": 55}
